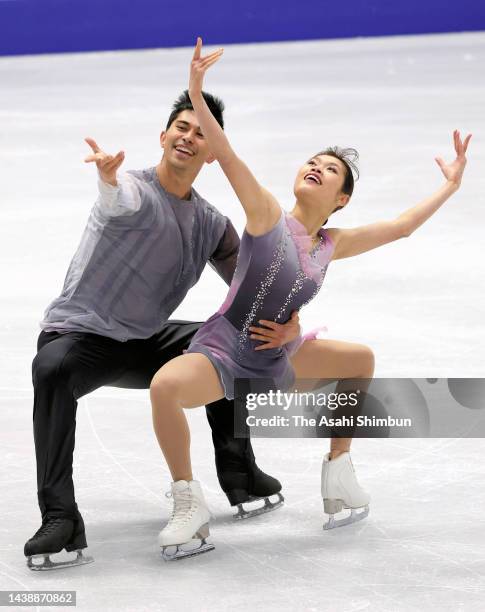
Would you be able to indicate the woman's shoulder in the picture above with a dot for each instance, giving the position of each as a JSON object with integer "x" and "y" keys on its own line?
{"x": 267, "y": 223}
{"x": 330, "y": 237}
{"x": 330, "y": 233}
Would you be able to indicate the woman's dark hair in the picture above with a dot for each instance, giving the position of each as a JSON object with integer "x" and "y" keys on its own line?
{"x": 349, "y": 157}
{"x": 216, "y": 106}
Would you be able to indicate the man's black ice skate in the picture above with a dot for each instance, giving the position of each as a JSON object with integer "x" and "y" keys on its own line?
{"x": 252, "y": 485}
{"x": 55, "y": 535}
{"x": 240, "y": 478}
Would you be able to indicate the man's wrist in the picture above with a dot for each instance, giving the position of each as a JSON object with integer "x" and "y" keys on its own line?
{"x": 106, "y": 187}
{"x": 112, "y": 182}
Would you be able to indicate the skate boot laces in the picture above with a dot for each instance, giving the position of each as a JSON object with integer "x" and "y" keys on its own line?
{"x": 48, "y": 526}
{"x": 184, "y": 506}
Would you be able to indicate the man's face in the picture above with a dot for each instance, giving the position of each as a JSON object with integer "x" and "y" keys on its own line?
{"x": 184, "y": 144}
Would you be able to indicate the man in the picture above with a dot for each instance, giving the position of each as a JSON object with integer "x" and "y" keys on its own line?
{"x": 146, "y": 243}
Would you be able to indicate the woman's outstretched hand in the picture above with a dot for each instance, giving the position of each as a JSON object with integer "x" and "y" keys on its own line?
{"x": 199, "y": 65}
{"x": 454, "y": 171}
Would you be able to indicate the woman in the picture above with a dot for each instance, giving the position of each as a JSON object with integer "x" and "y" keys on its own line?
{"x": 281, "y": 265}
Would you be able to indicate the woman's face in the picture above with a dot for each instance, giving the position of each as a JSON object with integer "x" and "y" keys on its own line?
{"x": 322, "y": 176}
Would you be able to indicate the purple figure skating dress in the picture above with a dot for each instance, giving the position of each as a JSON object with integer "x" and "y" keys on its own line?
{"x": 275, "y": 274}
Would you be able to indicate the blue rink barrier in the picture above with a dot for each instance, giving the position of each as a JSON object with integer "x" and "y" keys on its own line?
{"x": 56, "y": 26}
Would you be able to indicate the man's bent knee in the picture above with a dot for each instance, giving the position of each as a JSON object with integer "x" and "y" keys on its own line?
{"x": 49, "y": 370}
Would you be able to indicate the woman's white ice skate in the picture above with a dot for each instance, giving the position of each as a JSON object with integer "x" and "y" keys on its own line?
{"x": 340, "y": 490}
{"x": 189, "y": 521}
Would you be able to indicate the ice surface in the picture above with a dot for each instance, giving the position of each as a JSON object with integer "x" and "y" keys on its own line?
{"x": 419, "y": 303}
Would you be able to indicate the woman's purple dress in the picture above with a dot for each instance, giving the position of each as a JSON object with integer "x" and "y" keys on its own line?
{"x": 275, "y": 274}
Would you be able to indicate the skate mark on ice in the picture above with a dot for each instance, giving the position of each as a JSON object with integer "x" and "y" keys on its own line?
{"x": 115, "y": 461}
{"x": 435, "y": 450}
{"x": 404, "y": 543}
{"x": 447, "y": 558}
{"x": 327, "y": 568}
{"x": 10, "y": 577}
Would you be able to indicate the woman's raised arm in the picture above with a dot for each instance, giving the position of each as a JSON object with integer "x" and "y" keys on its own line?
{"x": 262, "y": 210}
{"x": 350, "y": 242}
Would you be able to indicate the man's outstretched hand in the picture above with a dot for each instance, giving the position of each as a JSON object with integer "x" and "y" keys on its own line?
{"x": 276, "y": 334}
{"x": 107, "y": 164}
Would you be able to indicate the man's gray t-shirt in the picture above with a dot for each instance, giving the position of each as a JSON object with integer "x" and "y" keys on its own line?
{"x": 142, "y": 250}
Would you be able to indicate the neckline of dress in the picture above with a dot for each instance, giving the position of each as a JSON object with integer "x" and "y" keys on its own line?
{"x": 304, "y": 233}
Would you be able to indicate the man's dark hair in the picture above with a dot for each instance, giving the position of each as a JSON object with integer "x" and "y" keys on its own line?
{"x": 216, "y": 106}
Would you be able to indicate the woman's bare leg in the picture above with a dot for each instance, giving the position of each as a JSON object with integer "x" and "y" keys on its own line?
{"x": 335, "y": 360}
{"x": 188, "y": 381}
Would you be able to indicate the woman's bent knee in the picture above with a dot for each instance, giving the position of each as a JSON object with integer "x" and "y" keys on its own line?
{"x": 163, "y": 386}
{"x": 366, "y": 360}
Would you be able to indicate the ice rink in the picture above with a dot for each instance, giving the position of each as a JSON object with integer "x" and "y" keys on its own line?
{"x": 419, "y": 303}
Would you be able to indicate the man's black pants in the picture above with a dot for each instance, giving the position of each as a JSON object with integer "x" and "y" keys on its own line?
{"x": 68, "y": 366}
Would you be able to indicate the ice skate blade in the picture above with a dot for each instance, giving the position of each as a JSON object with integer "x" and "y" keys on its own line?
{"x": 354, "y": 517}
{"x": 49, "y": 565}
{"x": 179, "y": 553}
{"x": 269, "y": 506}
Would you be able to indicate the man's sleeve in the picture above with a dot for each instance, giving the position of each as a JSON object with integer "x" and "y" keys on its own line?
{"x": 223, "y": 259}
{"x": 125, "y": 199}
